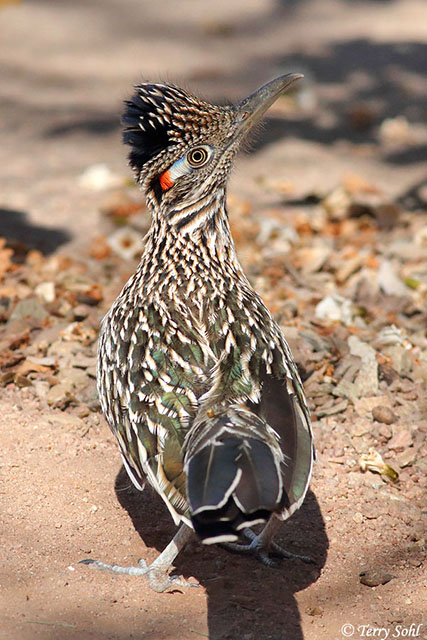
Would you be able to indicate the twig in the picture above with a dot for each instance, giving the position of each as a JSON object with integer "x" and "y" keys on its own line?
{"x": 53, "y": 624}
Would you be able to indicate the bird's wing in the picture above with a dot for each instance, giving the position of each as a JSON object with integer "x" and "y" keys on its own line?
{"x": 154, "y": 376}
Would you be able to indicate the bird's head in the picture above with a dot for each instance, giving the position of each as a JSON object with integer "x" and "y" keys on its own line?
{"x": 183, "y": 148}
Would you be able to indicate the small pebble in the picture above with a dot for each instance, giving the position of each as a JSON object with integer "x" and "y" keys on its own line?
{"x": 375, "y": 577}
{"x": 80, "y": 312}
{"x": 59, "y": 395}
{"x": 29, "y": 308}
{"x": 384, "y": 415}
{"x": 406, "y": 458}
{"x": 415, "y": 562}
{"x": 46, "y": 291}
{"x": 385, "y": 432}
{"x": 401, "y": 440}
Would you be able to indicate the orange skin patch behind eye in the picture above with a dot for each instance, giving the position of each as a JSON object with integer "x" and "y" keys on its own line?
{"x": 166, "y": 181}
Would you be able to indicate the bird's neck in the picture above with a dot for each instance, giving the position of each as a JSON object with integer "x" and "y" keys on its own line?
{"x": 192, "y": 241}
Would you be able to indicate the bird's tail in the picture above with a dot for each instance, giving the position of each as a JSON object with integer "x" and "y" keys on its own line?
{"x": 234, "y": 480}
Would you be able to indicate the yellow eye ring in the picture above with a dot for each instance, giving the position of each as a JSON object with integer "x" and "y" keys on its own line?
{"x": 198, "y": 156}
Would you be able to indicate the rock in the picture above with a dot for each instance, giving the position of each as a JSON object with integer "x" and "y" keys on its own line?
{"x": 46, "y": 291}
{"x": 337, "y": 407}
{"x": 64, "y": 309}
{"x": 364, "y": 406}
{"x": 347, "y": 390}
{"x": 347, "y": 368}
{"x": 383, "y": 414}
{"x": 401, "y": 440}
{"x": 375, "y": 577}
{"x": 75, "y": 377}
{"x": 415, "y": 562}
{"x": 41, "y": 388}
{"x": 60, "y": 395}
{"x": 389, "y": 282}
{"x": 359, "y": 348}
{"x": 385, "y": 432}
{"x": 82, "y": 361}
{"x": 366, "y": 382}
{"x": 389, "y": 336}
{"x": 387, "y": 373}
{"x": 406, "y": 458}
{"x": 360, "y": 428}
{"x": 29, "y": 308}
{"x": 335, "y": 309}
{"x": 400, "y": 358}
{"x": 337, "y": 203}
{"x": 64, "y": 352}
{"x": 81, "y": 311}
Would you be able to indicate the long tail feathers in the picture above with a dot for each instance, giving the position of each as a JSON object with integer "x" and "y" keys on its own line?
{"x": 233, "y": 476}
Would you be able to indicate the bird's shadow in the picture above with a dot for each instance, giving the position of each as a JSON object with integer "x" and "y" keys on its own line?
{"x": 242, "y": 595}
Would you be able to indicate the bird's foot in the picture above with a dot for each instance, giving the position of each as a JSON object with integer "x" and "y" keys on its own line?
{"x": 158, "y": 578}
{"x": 157, "y": 572}
{"x": 262, "y": 549}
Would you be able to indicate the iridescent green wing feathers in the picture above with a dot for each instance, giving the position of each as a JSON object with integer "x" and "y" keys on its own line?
{"x": 155, "y": 375}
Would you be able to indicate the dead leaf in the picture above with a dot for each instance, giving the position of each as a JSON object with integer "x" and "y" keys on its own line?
{"x": 372, "y": 461}
{"x": 30, "y": 364}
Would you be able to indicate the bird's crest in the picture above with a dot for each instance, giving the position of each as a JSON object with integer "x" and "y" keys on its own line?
{"x": 159, "y": 117}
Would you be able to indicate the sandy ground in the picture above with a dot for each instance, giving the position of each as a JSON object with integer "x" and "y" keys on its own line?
{"x": 66, "y": 67}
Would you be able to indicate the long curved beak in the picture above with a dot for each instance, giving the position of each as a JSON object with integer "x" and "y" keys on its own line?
{"x": 252, "y": 108}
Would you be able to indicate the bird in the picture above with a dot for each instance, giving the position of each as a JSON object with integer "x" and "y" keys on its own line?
{"x": 195, "y": 377}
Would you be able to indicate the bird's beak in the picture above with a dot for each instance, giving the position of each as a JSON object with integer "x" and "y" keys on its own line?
{"x": 252, "y": 108}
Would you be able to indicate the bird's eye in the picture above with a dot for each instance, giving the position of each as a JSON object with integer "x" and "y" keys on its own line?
{"x": 198, "y": 156}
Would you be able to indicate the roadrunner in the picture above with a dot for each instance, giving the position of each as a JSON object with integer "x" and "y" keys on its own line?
{"x": 195, "y": 377}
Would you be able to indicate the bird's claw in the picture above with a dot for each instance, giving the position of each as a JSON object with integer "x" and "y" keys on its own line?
{"x": 158, "y": 578}
{"x": 261, "y": 552}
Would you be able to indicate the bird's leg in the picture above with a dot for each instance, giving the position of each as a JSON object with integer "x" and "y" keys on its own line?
{"x": 157, "y": 572}
{"x": 262, "y": 545}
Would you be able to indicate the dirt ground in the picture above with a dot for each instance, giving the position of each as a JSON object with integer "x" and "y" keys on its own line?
{"x": 329, "y": 216}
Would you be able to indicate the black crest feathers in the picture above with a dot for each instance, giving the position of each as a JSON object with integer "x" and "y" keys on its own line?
{"x": 147, "y": 123}
{"x": 159, "y": 116}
